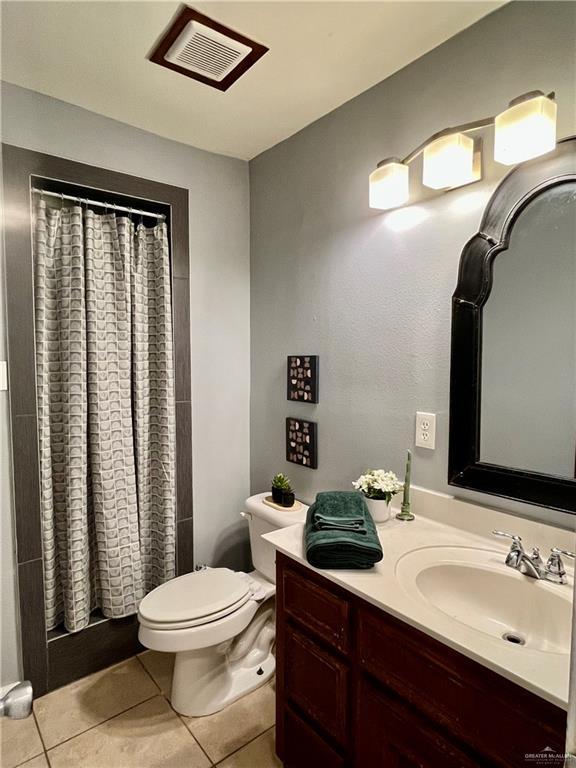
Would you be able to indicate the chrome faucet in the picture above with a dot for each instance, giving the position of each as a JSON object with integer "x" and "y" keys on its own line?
{"x": 532, "y": 564}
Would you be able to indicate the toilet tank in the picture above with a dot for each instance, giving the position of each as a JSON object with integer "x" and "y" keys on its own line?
{"x": 264, "y": 519}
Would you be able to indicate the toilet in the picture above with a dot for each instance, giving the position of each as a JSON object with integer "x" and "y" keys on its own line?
{"x": 220, "y": 623}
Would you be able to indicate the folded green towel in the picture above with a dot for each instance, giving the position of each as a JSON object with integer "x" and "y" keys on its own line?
{"x": 335, "y": 523}
{"x": 335, "y": 547}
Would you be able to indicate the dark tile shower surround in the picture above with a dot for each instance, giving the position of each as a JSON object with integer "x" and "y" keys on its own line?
{"x": 50, "y": 663}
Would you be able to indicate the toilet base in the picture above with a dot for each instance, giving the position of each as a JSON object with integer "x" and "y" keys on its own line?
{"x": 197, "y": 696}
{"x": 208, "y": 679}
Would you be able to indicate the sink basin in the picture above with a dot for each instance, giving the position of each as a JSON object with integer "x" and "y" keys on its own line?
{"x": 473, "y": 587}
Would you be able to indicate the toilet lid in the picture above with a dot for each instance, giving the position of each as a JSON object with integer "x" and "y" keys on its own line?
{"x": 194, "y": 596}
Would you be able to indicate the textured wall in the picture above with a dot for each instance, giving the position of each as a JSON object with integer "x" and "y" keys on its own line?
{"x": 330, "y": 277}
{"x": 219, "y": 279}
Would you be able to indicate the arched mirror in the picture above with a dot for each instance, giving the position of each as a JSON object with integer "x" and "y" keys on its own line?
{"x": 513, "y": 368}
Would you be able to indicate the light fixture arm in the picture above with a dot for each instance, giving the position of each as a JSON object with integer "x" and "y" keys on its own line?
{"x": 452, "y": 159}
{"x": 464, "y": 128}
{"x": 475, "y": 125}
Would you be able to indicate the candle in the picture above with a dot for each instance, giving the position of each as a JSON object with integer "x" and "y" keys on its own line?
{"x": 406, "y": 498}
{"x": 405, "y": 514}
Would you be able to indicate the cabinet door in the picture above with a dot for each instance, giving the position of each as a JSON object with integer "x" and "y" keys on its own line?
{"x": 304, "y": 747}
{"x": 317, "y": 682}
{"x": 389, "y": 735}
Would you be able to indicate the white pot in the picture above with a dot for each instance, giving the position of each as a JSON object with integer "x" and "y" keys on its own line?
{"x": 379, "y": 509}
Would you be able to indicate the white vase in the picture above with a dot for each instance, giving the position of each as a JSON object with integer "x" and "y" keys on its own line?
{"x": 379, "y": 509}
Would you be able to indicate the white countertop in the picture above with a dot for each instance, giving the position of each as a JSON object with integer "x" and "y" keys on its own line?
{"x": 545, "y": 674}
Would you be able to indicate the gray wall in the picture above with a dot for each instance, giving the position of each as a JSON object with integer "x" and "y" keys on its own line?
{"x": 330, "y": 277}
{"x": 220, "y": 295}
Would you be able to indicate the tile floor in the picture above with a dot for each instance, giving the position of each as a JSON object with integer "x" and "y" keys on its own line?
{"x": 121, "y": 718}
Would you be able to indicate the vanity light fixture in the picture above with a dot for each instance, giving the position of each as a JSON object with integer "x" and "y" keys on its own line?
{"x": 526, "y": 129}
{"x": 389, "y": 184}
{"x": 449, "y": 162}
{"x": 452, "y": 158}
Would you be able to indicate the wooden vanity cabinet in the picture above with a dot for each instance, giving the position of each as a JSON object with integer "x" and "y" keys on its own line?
{"x": 358, "y": 688}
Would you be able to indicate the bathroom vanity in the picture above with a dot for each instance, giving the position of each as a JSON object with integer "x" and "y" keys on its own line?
{"x": 371, "y": 675}
{"x": 358, "y": 687}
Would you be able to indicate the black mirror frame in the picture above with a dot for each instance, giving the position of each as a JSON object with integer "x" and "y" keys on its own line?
{"x": 465, "y": 469}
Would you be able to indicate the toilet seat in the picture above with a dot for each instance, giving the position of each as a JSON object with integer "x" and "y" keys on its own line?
{"x": 195, "y": 599}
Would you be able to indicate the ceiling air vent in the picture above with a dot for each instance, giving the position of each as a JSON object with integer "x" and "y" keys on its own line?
{"x": 203, "y": 49}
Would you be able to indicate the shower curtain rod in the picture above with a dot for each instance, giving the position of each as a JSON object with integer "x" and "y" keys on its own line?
{"x": 87, "y": 201}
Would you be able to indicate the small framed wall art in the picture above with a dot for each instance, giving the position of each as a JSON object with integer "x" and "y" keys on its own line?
{"x": 302, "y": 376}
{"x": 302, "y": 442}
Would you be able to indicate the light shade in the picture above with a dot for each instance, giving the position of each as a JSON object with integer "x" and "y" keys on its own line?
{"x": 389, "y": 185}
{"x": 526, "y": 129}
{"x": 449, "y": 162}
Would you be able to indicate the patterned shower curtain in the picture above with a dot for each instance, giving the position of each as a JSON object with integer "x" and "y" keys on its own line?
{"x": 105, "y": 384}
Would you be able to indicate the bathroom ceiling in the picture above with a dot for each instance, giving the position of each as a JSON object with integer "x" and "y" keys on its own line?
{"x": 93, "y": 54}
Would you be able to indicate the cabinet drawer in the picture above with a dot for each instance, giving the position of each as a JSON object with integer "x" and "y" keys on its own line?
{"x": 390, "y": 735}
{"x": 304, "y": 747}
{"x": 325, "y": 614}
{"x": 317, "y": 682}
{"x": 477, "y": 706}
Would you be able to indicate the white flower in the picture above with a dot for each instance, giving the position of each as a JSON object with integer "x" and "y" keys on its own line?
{"x": 378, "y": 484}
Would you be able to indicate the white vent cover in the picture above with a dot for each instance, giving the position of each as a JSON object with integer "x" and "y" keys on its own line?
{"x": 201, "y": 49}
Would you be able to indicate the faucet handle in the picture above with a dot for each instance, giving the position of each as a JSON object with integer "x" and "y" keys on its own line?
{"x": 556, "y": 551}
{"x": 555, "y": 567}
{"x": 516, "y": 539}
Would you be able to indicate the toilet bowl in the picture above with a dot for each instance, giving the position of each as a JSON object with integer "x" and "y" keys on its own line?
{"x": 218, "y": 622}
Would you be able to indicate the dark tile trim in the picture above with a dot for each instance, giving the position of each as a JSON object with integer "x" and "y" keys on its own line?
{"x": 64, "y": 661}
{"x": 185, "y": 551}
{"x": 181, "y": 313}
{"x": 32, "y": 626}
{"x": 183, "y": 466}
{"x": 107, "y": 642}
{"x": 19, "y": 293}
{"x": 26, "y": 487}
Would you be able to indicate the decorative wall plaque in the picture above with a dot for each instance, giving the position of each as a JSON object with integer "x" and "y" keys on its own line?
{"x": 302, "y": 442}
{"x": 302, "y": 373}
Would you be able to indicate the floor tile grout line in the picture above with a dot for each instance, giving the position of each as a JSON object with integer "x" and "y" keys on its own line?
{"x": 97, "y": 725}
{"x": 215, "y": 765}
{"x": 178, "y": 715}
{"x": 212, "y": 762}
{"x": 181, "y": 718}
{"x": 149, "y": 674}
{"x": 37, "y": 724}
{"x": 29, "y": 760}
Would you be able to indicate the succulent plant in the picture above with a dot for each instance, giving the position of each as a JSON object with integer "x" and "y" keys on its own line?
{"x": 281, "y": 482}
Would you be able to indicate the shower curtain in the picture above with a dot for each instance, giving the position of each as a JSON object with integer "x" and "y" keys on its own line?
{"x": 106, "y": 420}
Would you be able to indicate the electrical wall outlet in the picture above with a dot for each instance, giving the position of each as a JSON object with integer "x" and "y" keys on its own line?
{"x": 425, "y": 430}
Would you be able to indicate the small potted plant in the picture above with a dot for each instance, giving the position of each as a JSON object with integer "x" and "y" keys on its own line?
{"x": 282, "y": 491}
{"x": 378, "y": 487}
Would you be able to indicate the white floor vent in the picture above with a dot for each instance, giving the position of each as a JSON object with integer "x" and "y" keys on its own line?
{"x": 205, "y": 50}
